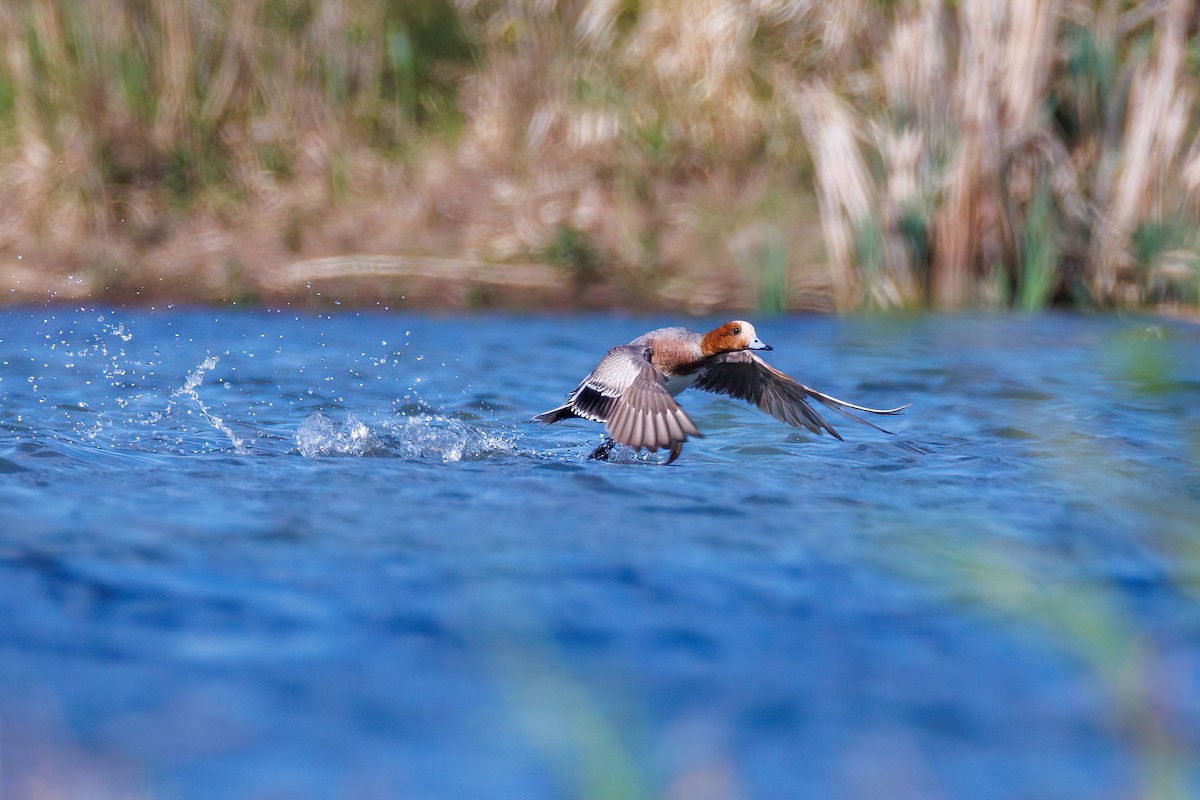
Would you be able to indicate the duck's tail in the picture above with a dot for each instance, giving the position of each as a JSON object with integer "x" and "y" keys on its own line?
{"x": 556, "y": 414}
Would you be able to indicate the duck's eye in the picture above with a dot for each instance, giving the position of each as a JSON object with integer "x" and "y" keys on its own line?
{"x": 736, "y": 330}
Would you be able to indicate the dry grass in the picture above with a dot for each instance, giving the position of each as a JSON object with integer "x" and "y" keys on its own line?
{"x": 191, "y": 149}
{"x": 717, "y": 153}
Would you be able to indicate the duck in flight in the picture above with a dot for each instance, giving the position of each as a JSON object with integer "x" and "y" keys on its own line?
{"x": 632, "y": 390}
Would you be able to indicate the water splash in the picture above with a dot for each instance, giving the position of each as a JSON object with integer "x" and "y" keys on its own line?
{"x": 319, "y": 437}
{"x": 189, "y": 391}
{"x": 431, "y": 437}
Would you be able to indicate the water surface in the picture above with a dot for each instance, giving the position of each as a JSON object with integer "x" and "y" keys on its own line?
{"x": 270, "y": 554}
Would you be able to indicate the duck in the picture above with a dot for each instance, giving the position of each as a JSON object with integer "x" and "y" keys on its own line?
{"x": 632, "y": 390}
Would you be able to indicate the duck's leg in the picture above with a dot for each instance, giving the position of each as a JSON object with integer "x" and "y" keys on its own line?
{"x": 604, "y": 451}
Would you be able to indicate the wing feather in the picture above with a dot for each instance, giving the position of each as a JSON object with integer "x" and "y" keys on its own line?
{"x": 745, "y": 376}
{"x": 629, "y": 395}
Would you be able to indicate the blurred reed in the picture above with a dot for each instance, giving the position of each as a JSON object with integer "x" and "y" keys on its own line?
{"x": 774, "y": 154}
{"x": 151, "y": 140}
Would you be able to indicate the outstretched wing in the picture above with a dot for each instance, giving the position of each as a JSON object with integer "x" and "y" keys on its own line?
{"x": 630, "y": 397}
{"x": 745, "y": 376}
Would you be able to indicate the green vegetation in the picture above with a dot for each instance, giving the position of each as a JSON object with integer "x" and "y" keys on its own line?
{"x": 776, "y": 155}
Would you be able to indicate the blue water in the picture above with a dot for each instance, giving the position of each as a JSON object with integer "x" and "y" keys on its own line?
{"x": 283, "y": 555}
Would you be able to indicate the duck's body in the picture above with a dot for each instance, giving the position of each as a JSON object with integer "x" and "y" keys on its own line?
{"x": 633, "y": 387}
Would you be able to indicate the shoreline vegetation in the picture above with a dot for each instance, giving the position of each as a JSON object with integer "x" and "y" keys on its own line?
{"x": 654, "y": 155}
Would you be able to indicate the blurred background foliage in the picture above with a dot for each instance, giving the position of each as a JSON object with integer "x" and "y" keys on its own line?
{"x": 659, "y": 153}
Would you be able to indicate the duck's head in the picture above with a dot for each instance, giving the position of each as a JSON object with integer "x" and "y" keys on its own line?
{"x": 730, "y": 338}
